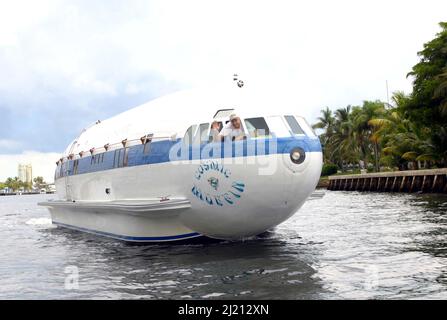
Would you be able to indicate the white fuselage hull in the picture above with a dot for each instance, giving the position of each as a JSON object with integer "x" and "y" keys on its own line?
{"x": 249, "y": 196}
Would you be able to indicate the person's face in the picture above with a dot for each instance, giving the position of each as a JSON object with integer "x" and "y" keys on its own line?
{"x": 215, "y": 126}
{"x": 236, "y": 122}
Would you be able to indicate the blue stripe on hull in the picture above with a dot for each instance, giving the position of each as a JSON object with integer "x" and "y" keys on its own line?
{"x": 159, "y": 153}
{"x": 129, "y": 238}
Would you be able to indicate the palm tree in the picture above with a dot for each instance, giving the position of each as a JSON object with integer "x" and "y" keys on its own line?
{"x": 402, "y": 140}
{"x": 379, "y": 134}
{"x": 13, "y": 183}
{"x": 367, "y": 139}
{"x": 343, "y": 140}
{"x": 326, "y": 122}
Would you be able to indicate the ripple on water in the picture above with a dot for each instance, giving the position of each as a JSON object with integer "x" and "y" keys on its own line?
{"x": 344, "y": 245}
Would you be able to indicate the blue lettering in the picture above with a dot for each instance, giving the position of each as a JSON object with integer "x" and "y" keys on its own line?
{"x": 235, "y": 194}
{"x": 196, "y": 191}
{"x": 213, "y": 165}
{"x": 238, "y": 186}
{"x": 209, "y": 199}
{"x": 218, "y": 201}
{"x": 228, "y": 198}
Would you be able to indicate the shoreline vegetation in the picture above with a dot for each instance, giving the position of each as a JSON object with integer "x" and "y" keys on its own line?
{"x": 410, "y": 133}
{"x": 14, "y": 185}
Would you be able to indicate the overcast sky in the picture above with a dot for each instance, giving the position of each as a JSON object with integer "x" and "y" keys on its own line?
{"x": 66, "y": 64}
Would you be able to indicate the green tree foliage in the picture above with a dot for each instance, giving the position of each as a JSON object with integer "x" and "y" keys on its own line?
{"x": 15, "y": 184}
{"x": 327, "y": 123}
{"x": 407, "y": 134}
{"x": 402, "y": 140}
{"x": 349, "y": 139}
{"x": 39, "y": 183}
{"x": 428, "y": 100}
{"x": 329, "y": 169}
{"x": 427, "y": 105}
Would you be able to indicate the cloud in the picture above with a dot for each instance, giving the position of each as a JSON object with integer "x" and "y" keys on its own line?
{"x": 7, "y": 144}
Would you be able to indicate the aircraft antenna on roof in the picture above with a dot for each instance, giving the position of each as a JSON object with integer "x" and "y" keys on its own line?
{"x": 239, "y": 82}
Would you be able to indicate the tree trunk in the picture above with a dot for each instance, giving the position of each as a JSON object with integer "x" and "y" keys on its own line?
{"x": 376, "y": 157}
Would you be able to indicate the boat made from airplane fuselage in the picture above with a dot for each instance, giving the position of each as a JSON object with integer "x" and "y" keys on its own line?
{"x": 154, "y": 173}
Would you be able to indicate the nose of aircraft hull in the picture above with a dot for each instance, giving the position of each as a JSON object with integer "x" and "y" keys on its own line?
{"x": 259, "y": 201}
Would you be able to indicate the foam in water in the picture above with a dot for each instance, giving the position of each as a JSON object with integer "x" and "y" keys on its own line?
{"x": 213, "y": 295}
{"x": 39, "y": 221}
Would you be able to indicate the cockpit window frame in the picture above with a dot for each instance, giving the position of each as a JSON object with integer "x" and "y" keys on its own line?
{"x": 297, "y": 122}
{"x": 306, "y": 127}
{"x": 230, "y": 110}
{"x": 248, "y": 132}
{"x": 273, "y": 127}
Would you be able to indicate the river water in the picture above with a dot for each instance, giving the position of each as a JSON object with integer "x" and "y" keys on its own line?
{"x": 346, "y": 245}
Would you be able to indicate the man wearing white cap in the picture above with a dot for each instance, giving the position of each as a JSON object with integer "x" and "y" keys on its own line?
{"x": 233, "y": 129}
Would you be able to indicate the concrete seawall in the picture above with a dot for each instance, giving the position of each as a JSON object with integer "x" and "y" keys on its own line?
{"x": 425, "y": 181}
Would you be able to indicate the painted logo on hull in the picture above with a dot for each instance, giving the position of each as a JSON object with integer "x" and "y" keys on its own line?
{"x": 214, "y": 186}
{"x": 214, "y": 182}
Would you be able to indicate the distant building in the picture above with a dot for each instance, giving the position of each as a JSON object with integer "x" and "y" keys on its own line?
{"x": 25, "y": 173}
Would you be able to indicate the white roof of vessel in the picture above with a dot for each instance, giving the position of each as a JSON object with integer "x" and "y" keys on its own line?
{"x": 174, "y": 113}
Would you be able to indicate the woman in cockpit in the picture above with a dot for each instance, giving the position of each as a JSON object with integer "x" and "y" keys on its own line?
{"x": 214, "y": 132}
